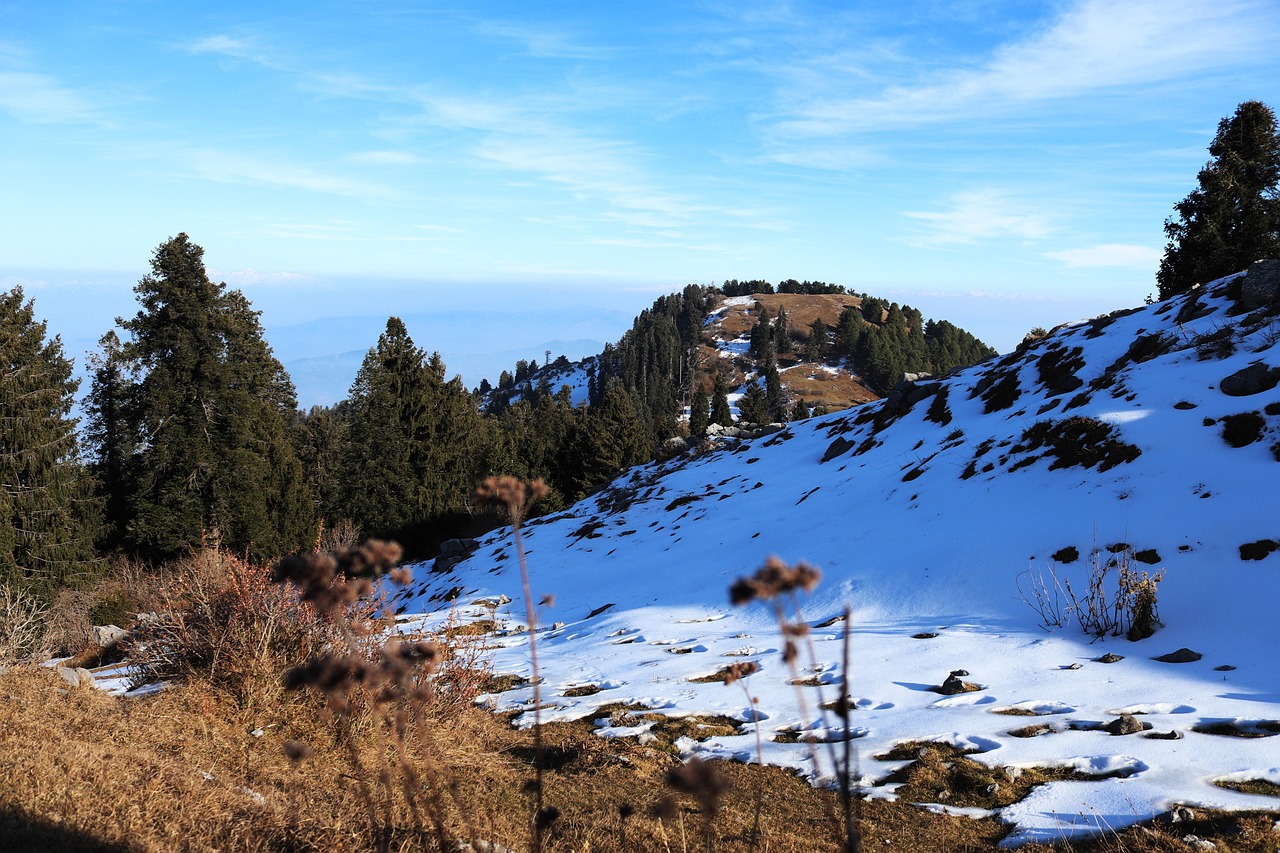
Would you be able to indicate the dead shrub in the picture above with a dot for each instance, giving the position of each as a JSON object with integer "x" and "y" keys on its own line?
{"x": 222, "y": 619}
{"x": 22, "y": 624}
{"x": 1130, "y": 608}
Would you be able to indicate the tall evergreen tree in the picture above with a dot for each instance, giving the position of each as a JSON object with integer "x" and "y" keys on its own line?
{"x": 46, "y": 507}
{"x": 109, "y": 438}
{"x": 1233, "y": 217}
{"x": 781, "y": 333}
{"x": 752, "y": 407}
{"x": 720, "y": 412}
{"x": 698, "y": 412}
{"x": 211, "y": 412}
{"x": 416, "y": 441}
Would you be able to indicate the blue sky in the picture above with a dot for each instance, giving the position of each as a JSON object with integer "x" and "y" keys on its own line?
{"x": 1002, "y": 164}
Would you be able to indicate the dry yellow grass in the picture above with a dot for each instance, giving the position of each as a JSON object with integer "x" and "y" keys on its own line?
{"x": 184, "y": 770}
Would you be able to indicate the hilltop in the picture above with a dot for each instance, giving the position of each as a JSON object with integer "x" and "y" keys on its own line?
{"x": 1145, "y": 440}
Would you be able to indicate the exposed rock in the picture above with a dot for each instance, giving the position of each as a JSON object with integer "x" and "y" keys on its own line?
{"x": 671, "y": 448}
{"x": 1125, "y": 724}
{"x": 1172, "y": 734}
{"x": 108, "y": 635}
{"x": 69, "y": 675}
{"x": 837, "y": 447}
{"x": 1183, "y": 655}
{"x": 1254, "y": 379}
{"x": 1109, "y": 657}
{"x": 954, "y": 685}
{"x": 1261, "y": 286}
{"x": 85, "y": 676}
{"x": 452, "y": 552}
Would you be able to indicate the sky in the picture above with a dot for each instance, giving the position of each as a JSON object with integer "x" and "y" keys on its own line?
{"x": 999, "y": 164}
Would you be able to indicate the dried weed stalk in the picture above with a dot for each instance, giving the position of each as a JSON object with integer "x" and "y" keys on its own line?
{"x": 1126, "y": 606}
{"x": 779, "y": 585}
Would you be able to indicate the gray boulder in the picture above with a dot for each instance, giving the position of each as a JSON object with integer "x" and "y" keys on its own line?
{"x": 1261, "y": 285}
{"x": 108, "y": 635}
{"x": 1254, "y": 379}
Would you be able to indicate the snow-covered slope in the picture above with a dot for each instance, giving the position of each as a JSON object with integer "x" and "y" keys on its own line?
{"x": 922, "y": 511}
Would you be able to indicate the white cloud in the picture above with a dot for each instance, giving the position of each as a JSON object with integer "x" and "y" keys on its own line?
{"x": 1092, "y": 47}
{"x": 248, "y": 275}
{"x": 41, "y": 99}
{"x": 1109, "y": 255}
{"x": 978, "y": 215}
{"x": 227, "y": 167}
{"x": 231, "y": 46}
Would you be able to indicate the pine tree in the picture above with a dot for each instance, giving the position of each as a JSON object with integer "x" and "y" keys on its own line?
{"x": 109, "y": 438}
{"x": 781, "y": 333}
{"x": 211, "y": 413}
{"x": 1233, "y": 217}
{"x": 752, "y": 407}
{"x": 816, "y": 348}
{"x": 800, "y": 411}
{"x": 698, "y": 413}
{"x": 46, "y": 507}
{"x": 720, "y": 412}
{"x": 416, "y": 442}
{"x": 775, "y": 407}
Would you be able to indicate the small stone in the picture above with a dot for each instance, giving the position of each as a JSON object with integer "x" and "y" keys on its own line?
{"x": 85, "y": 676}
{"x": 69, "y": 675}
{"x": 1183, "y": 655}
{"x": 1198, "y": 843}
{"x": 959, "y": 673}
{"x": 1125, "y": 724}
{"x": 1076, "y": 665}
{"x": 1110, "y": 657}
{"x": 1181, "y": 814}
{"x": 1226, "y": 667}
{"x": 991, "y": 790}
{"x": 1172, "y": 734}
{"x": 108, "y": 635}
{"x": 1012, "y": 773}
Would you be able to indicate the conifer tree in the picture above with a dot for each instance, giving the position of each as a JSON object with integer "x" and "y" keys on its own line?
{"x": 109, "y": 438}
{"x": 210, "y": 414}
{"x": 800, "y": 411}
{"x": 698, "y": 414}
{"x": 416, "y": 442}
{"x": 781, "y": 333}
{"x": 1233, "y": 217}
{"x": 46, "y": 507}
{"x": 816, "y": 348}
{"x": 752, "y": 408}
{"x": 720, "y": 412}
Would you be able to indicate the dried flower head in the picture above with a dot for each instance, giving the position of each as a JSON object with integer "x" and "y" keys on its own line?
{"x": 702, "y": 780}
{"x": 296, "y": 751}
{"x": 773, "y": 579}
{"x": 740, "y": 670}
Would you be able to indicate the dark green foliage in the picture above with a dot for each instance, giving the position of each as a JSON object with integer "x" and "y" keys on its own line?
{"x": 800, "y": 411}
{"x": 734, "y": 287}
{"x": 416, "y": 446}
{"x": 811, "y": 288}
{"x": 775, "y": 406}
{"x": 604, "y": 440}
{"x": 108, "y": 435}
{"x": 210, "y": 418}
{"x": 1232, "y": 218}
{"x": 47, "y": 515}
{"x": 699, "y": 416}
{"x": 720, "y": 412}
{"x": 753, "y": 405}
{"x": 655, "y": 360}
{"x": 322, "y": 447}
{"x": 781, "y": 333}
{"x": 815, "y": 348}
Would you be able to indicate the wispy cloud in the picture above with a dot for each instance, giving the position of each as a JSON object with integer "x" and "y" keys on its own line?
{"x": 235, "y": 47}
{"x": 42, "y": 99}
{"x": 544, "y": 41}
{"x": 233, "y": 168}
{"x": 1119, "y": 255}
{"x": 249, "y": 275}
{"x": 1094, "y": 46}
{"x": 385, "y": 158}
{"x": 976, "y": 216}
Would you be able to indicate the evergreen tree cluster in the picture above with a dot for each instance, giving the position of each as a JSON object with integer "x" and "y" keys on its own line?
{"x": 1232, "y": 218}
